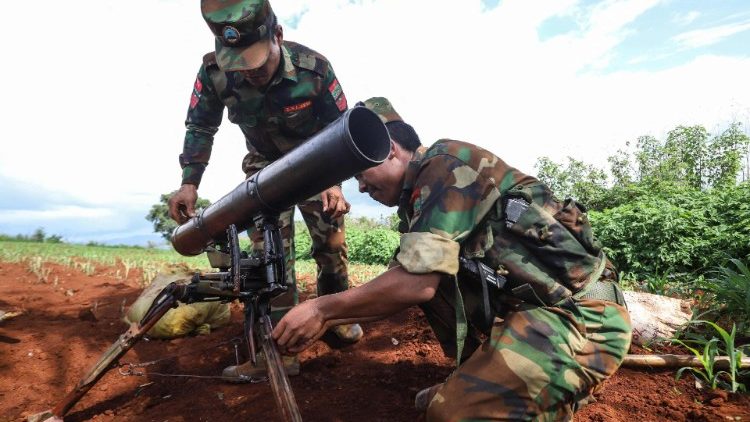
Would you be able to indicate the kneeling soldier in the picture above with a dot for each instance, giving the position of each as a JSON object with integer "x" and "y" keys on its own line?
{"x": 486, "y": 252}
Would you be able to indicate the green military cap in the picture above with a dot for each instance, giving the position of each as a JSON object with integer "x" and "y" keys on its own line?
{"x": 383, "y": 108}
{"x": 243, "y": 31}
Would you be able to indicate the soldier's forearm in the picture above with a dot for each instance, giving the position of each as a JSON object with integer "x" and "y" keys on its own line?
{"x": 388, "y": 293}
{"x": 335, "y": 322}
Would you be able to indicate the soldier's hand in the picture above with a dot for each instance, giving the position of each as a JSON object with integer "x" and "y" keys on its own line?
{"x": 334, "y": 203}
{"x": 182, "y": 203}
{"x": 299, "y": 328}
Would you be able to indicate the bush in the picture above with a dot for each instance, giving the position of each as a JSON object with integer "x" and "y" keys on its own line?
{"x": 686, "y": 231}
{"x": 374, "y": 246}
{"x": 367, "y": 246}
{"x": 729, "y": 291}
{"x": 302, "y": 241}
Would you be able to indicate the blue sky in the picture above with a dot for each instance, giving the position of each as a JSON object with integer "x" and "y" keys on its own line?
{"x": 94, "y": 103}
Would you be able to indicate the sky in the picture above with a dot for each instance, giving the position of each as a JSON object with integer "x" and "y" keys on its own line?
{"x": 96, "y": 91}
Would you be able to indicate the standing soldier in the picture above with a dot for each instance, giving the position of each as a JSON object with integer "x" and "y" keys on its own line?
{"x": 279, "y": 93}
{"x": 510, "y": 278}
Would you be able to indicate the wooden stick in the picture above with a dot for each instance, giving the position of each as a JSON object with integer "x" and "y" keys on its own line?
{"x": 676, "y": 361}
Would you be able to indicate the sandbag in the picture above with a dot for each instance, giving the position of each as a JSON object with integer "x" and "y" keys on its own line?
{"x": 195, "y": 318}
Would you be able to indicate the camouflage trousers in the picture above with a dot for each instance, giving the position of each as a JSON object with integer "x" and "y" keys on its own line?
{"x": 328, "y": 247}
{"x": 537, "y": 364}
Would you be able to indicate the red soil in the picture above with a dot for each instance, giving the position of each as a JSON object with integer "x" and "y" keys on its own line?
{"x": 45, "y": 351}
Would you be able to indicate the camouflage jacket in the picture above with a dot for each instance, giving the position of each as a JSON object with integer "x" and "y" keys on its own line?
{"x": 300, "y": 100}
{"x": 454, "y": 204}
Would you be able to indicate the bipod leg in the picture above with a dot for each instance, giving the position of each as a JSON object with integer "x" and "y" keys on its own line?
{"x": 250, "y": 315}
{"x": 280, "y": 385}
{"x": 164, "y": 301}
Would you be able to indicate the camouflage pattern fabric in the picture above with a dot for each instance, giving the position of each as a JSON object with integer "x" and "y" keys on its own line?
{"x": 459, "y": 191}
{"x": 383, "y": 108}
{"x": 302, "y": 99}
{"x": 537, "y": 364}
{"x": 550, "y": 349}
{"x": 243, "y": 30}
{"x": 329, "y": 249}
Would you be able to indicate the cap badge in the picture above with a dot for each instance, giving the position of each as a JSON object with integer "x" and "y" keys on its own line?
{"x": 231, "y": 35}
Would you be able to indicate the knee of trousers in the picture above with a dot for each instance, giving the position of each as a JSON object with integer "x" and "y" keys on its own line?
{"x": 331, "y": 263}
{"x": 331, "y": 242}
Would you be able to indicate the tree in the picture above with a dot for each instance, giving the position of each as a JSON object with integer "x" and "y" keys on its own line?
{"x": 578, "y": 180}
{"x": 621, "y": 168}
{"x": 689, "y": 157}
{"x": 39, "y": 235}
{"x": 724, "y": 156}
{"x": 159, "y": 215}
{"x": 685, "y": 153}
{"x": 648, "y": 157}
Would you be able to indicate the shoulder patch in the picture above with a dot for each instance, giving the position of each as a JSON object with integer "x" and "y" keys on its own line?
{"x": 209, "y": 59}
{"x": 307, "y": 58}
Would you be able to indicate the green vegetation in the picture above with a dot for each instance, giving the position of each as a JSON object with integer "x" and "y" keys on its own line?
{"x": 681, "y": 232}
{"x": 86, "y": 258}
{"x": 727, "y": 294}
{"x": 668, "y": 212}
{"x": 39, "y": 235}
{"x": 711, "y": 348}
{"x": 367, "y": 245}
{"x": 148, "y": 261}
{"x": 674, "y": 216}
{"x": 159, "y": 215}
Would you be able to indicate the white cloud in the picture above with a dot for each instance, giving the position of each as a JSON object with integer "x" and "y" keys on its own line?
{"x": 99, "y": 114}
{"x": 708, "y": 36}
{"x": 686, "y": 18}
{"x": 57, "y": 213}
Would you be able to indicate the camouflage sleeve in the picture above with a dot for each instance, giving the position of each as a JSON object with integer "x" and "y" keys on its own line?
{"x": 332, "y": 102}
{"x": 203, "y": 120}
{"x": 448, "y": 201}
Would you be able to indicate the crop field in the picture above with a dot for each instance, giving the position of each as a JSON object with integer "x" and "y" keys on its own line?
{"x": 127, "y": 261}
{"x": 68, "y": 302}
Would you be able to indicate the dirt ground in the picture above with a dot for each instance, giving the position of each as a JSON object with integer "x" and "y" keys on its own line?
{"x": 47, "y": 349}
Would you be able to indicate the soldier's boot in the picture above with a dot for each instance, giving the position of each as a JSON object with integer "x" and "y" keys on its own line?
{"x": 348, "y": 333}
{"x": 329, "y": 283}
{"x": 249, "y": 373}
{"x": 425, "y": 396}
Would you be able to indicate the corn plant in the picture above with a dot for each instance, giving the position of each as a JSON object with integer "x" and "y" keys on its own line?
{"x": 127, "y": 265}
{"x": 148, "y": 273}
{"x": 36, "y": 267}
{"x": 711, "y": 348}
{"x": 86, "y": 267}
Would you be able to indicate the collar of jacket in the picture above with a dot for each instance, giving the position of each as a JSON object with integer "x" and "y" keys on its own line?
{"x": 286, "y": 67}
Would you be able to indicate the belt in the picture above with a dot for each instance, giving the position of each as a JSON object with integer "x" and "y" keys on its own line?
{"x": 602, "y": 290}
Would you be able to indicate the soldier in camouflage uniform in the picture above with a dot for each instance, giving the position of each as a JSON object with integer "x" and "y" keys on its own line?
{"x": 280, "y": 94}
{"x": 510, "y": 278}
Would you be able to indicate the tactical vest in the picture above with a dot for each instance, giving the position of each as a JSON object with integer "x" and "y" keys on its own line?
{"x": 545, "y": 248}
{"x": 528, "y": 247}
